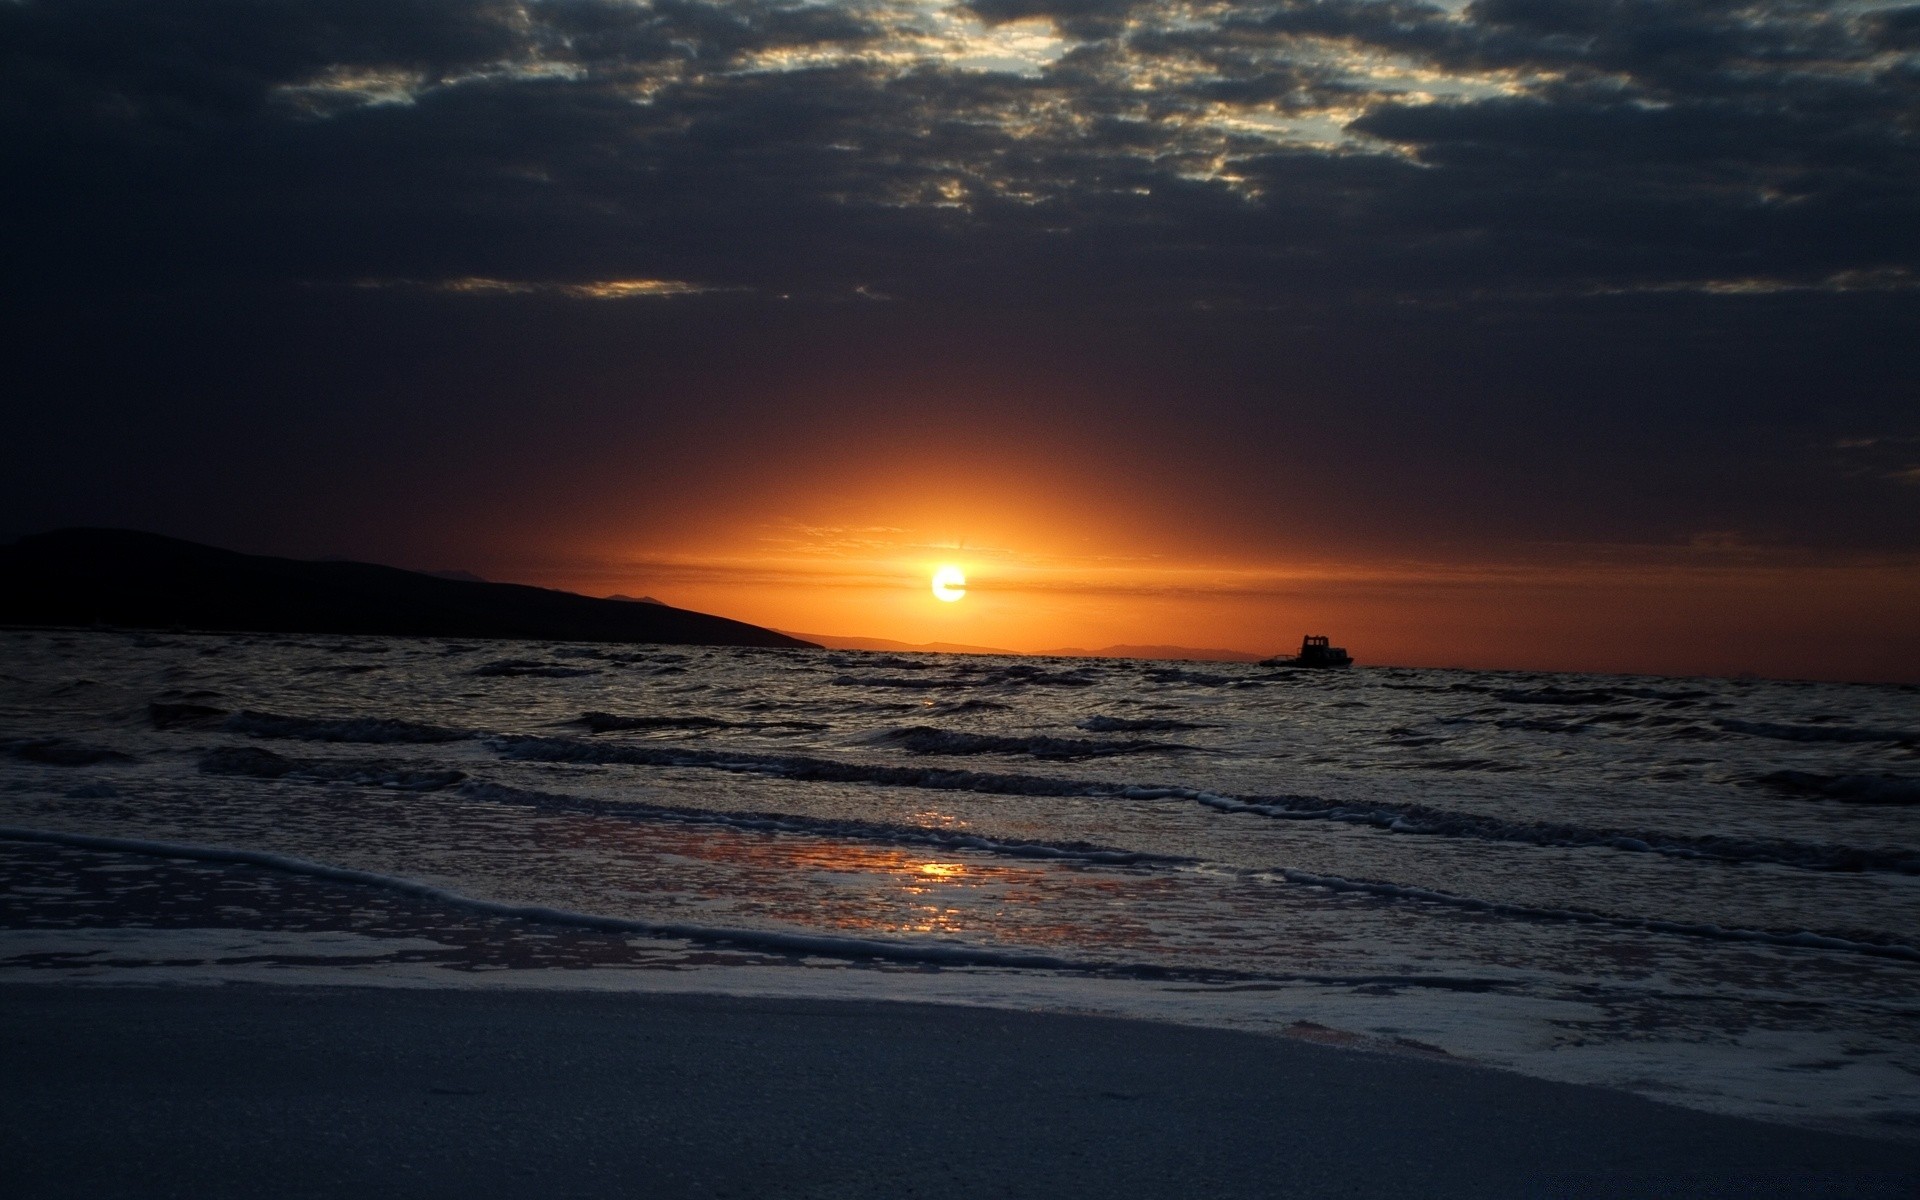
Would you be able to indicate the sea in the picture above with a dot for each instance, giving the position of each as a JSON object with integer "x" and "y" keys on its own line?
{"x": 1703, "y": 891}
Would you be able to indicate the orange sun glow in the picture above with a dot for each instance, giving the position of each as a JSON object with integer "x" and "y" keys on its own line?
{"x": 949, "y": 583}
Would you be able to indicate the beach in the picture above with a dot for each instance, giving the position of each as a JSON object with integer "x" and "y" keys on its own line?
{"x": 317, "y": 1091}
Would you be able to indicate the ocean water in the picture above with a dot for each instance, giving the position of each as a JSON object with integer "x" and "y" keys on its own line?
{"x": 1706, "y": 891}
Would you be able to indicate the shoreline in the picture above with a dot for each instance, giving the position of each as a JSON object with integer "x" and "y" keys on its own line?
{"x": 493, "y": 947}
{"x": 306, "y": 1089}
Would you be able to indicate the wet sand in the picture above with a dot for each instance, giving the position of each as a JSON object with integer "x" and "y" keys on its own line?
{"x": 306, "y": 1091}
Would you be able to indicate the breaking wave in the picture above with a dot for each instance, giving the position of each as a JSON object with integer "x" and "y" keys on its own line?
{"x": 925, "y": 739}
{"x": 942, "y": 954}
{"x": 901, "y": 835}
{"x": 947, "y": 953}
{"x": 1410, "y": 819}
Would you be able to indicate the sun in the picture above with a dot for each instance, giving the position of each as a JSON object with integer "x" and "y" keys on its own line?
{"x": 949, "y": 583}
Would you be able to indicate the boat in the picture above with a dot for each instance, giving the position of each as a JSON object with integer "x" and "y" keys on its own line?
{"x": 1314, "y": 652}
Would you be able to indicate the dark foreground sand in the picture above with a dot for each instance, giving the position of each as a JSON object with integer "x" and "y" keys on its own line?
{"x": 280, "y": 1092}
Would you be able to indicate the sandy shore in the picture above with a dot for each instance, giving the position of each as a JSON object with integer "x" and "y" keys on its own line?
{"x": 296, "y": 1091}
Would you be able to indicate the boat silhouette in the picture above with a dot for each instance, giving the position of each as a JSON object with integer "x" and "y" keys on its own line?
{"x": 1314, "y": 652}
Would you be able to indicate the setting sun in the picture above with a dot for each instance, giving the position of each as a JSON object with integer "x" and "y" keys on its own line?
{"x": 949, "y": 583}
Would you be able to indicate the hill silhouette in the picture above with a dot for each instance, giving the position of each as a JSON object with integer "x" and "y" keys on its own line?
{"x": 144, "y": 580}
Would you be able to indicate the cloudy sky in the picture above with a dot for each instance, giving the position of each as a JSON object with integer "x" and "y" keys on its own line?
{"x": 1576, "y": 333}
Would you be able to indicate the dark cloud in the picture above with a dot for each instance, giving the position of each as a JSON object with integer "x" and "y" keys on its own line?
{"x": 616, "y": 34}
{"x": 1896, "y": 29}
{"x": 1638, "y": 210}
{"x": 1534, "y": 144}
{"x": 1087, "y": 19}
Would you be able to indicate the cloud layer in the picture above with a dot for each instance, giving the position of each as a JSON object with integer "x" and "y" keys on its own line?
{"x": 1200, "y": 153}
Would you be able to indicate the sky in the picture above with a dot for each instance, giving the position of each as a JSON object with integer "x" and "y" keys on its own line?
{"x": 1556, "y": 334}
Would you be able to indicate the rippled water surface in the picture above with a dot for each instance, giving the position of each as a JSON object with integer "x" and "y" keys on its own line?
{"x": 1698, "y": 888}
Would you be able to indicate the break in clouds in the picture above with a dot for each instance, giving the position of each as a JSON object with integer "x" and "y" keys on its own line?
{"x": 1239, "y": 154}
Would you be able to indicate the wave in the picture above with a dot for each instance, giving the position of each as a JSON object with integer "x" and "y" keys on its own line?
{"x": 895, "y": 681}
{"x": 342, "y": 669}
{"x": 60, "y": 752}
{"x": 1662, "y": 725}
{"x": 826, "y": 827}
{"x": 1586, "y": 723}
{"x": 515, "y": 667}
{"x": 925, "y": 739}
{"x": 600, "y": 722}
{"x": 340, "y": 729}
{"x": 1797, "y": 938}
{"x": 1028, "y": 674}
{"x": 945, "y": 839}
{"x": 1199, "y": 678}
{"x": 1847, "y": 789}
{"x": 950, "y": 840}
{"x": 1424, "y": 820}
{"x": 953, "y": 707}
{"x": 1552, "y": 694}
{"x": 183, "y": 715}
{"x": 255, "y": 763}
{"x": 1818, "y": 733}
{"x": 948, "y": 954}
{"x": 938, "y": 954}
{"x": 1490, "y": 765}
{"x": 1100, "y": 724}
{"x": 1541, "y": 725}
{"x": 1555, "y": 695}
{"x": 1409, "y": 819}
{"x": 797, "y": 767}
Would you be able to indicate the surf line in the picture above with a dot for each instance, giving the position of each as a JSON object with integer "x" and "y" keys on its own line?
{"x": 837, "y": 947}
{"x": 769, "y": 940}
{"x": 900, "y": 835}
{"x": 1804, "y": 939}
{"x": 1410, "y": 819}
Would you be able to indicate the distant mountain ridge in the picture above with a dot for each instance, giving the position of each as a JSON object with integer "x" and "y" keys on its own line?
{"x": 147, "y": 581}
